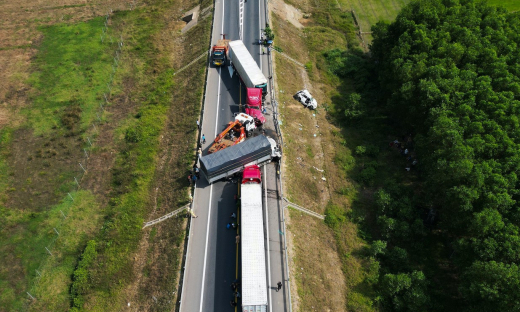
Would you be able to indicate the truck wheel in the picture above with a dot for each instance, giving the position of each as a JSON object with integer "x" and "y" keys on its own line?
{"x": 249, "y": 133}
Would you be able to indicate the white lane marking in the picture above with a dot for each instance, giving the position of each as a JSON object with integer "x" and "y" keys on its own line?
{"x": 211, "y": 187}
{"x": 187, "y": 253}
{"x": 206, "y": 249}
{"x": 241, "y": 19}
{"x": 260, "y": 28}
{"x": 267, "y": 231}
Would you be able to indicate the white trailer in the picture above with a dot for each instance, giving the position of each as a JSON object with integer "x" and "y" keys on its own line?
{"x": 254, "y": 281}
{"x": 246, "y": 66}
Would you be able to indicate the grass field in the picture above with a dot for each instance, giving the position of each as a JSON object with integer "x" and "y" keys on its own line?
{"x": 53, "y": 79}
{"x": 369, "y": 12}
{"x": 72, "y": 72}
{"x": 40, "y": 160}
{"x": 511, "y": 5}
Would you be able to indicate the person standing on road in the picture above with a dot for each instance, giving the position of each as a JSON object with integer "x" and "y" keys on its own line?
{"x": 203, "y": 139}
{"x": 279, "y": 286}
{"x": 237, "y": 239}
{"x": 190, "y": 210}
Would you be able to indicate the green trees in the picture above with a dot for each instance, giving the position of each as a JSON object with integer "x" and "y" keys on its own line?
{"x": 449, "y": 72}
{"x": 492, "y": 286}
{"x": 404, "y": 291}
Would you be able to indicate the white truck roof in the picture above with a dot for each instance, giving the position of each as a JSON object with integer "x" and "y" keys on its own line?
{"x": 254, "y": 285}
{"x": 243, "y": 61}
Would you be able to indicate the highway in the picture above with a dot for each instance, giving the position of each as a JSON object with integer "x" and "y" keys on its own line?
{"x": 211, "y": 256}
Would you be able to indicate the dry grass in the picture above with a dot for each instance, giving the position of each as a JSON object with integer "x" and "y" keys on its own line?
{"x": 329, "y": 271}
{"x": 315, "y": 267}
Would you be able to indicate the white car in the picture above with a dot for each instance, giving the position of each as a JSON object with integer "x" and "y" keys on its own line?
{"x": 306, "y": 99}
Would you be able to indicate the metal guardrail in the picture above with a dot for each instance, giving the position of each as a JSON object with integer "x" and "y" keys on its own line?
{"x": 300, "y": 208}
{"x": 192, "y": 62}
{"x": 203, "y": 100}
{"x": 274, "y": 105}
{"x": 166, "y": 216}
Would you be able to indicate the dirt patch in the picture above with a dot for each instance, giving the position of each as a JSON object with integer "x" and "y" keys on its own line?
{"x": 287, "y": 12}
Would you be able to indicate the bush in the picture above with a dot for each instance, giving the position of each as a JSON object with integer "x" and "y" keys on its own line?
{"x": 334, "y": 216}
{"x": 360, "y": 150}
{"x": 377, "y": 248}
{"x": 81, "y": 275}
{"x": 132, "y": 135}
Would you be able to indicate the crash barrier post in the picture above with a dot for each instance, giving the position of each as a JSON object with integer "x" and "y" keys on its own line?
{"x": 199, "y": 134}
{"x": 276, "y": 115}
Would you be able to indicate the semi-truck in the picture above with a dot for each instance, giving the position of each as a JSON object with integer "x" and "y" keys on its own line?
{"x": 246, "y": 67}
{"x": 219, "y": 52}
{"x": 229, "y": 161}
{"x": 254, "y": 285}
{"x": 254, "y": 105}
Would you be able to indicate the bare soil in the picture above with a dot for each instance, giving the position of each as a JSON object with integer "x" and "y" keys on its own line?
{"x": 287, "y": 12}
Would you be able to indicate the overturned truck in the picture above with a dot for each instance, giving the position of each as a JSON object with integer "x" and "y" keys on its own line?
{"x": 227, "y": 162}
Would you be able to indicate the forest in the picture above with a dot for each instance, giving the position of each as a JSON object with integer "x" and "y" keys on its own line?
{"x": 446, "y": 75}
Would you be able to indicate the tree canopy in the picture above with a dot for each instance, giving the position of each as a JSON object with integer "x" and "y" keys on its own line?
{"x": 449, "y": 72}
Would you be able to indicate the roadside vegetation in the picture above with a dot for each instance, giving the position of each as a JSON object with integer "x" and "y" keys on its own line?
{"x": 448, "y": 79}
{"x": 425, "y": 227}
{"x": 107, "y": 271}
{"x": 142, "y": 148}
{"x": 333, "y": 267}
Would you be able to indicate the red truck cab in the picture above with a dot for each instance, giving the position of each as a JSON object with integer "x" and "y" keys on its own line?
{"x": 252, "y": 174}
{"x": 254, "y": 105}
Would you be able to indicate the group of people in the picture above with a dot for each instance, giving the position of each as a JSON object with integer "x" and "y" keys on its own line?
{"x": 403, "y": 149}
{"x": 232, "y": 224}
{"x": 194, "y": 175}
{"x": 236, "y": 294}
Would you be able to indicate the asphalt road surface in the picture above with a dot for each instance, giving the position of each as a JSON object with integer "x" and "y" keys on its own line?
{"x": 212, "y": 262}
